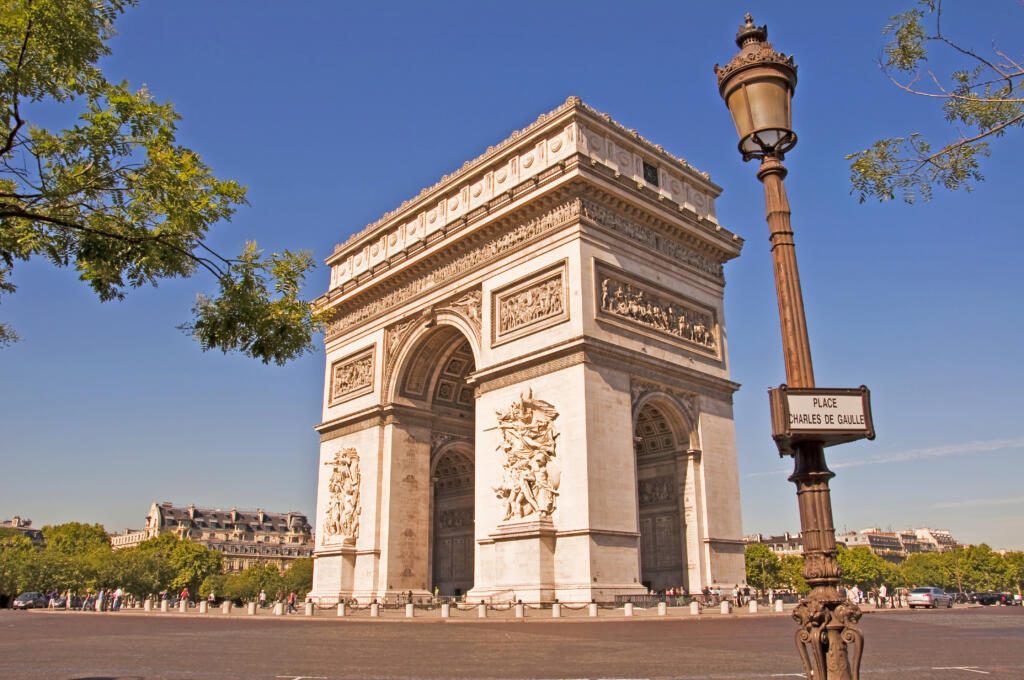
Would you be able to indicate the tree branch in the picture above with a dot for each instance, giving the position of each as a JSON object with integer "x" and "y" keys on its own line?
{"x": 971, "y": 140}
{"x": 9, "y": 210}
{"x": 18, "y": 122}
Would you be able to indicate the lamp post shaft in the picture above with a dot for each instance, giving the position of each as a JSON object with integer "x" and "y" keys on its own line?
{"x": 827, "y": 621}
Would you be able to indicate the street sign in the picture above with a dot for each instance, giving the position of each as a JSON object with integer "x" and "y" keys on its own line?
{"x": 821, "y": 414}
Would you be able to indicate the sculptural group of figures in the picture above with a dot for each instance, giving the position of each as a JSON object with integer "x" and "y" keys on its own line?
{"x": 623, "y": 299}
{"x": 538, "y": 302}
{"x": 529, "y": 483}
{"x": 342, "y": 518}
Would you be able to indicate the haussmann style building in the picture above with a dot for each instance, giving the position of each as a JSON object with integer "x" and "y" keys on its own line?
{"x": 527, "y": 390}
{"x": 245, "y": 537}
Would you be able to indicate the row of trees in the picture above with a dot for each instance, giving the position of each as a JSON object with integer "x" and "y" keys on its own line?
{"x": 78, "y": 557}
{"x": 968, "y": 569}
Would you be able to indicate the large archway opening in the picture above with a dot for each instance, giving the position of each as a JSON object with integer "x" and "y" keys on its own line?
{"x": 662, "y": 544}
{"x": 436, "y": 379}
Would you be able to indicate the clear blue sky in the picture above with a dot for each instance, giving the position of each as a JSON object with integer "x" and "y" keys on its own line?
{"x": 333, "y": 113}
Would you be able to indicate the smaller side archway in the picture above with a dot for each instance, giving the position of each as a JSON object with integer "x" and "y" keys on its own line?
{"x": 664, "y": 435}
{"x": 453, "y": 513}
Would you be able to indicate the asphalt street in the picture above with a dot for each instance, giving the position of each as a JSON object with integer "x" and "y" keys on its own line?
{"x": 944, "y": 644}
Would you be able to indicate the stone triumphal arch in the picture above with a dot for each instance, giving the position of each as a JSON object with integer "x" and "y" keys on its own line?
{"x": 527, "y": 388}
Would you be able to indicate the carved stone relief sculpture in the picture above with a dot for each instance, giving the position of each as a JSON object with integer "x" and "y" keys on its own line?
{"x": 341, "y": 521}
{"x": 530, "y": 305}
{"x": 530, "y": 480}
{"x": 644, "y": 306}
{"x": 352, "y": 376}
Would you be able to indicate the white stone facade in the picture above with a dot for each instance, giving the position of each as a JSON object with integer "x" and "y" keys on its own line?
{"x": 528, "y": 363}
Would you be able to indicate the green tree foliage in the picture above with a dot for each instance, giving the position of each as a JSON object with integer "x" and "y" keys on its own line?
{"x": 791, "y": 574}
{"x": 114, "y": 195}
{"x": 982, "y": 99}
{"x": 864, "y": 568}
{"x": 298, "y": 578}
{"x": 763, "y": 567}
{"x": 16, "y": 552}
{"x": 246, "y": 586}
{"x": 74, "y": 538}
{"x": 192, "y": 564}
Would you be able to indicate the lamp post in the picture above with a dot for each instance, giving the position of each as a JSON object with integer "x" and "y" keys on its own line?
{"x": 757, "y": 86}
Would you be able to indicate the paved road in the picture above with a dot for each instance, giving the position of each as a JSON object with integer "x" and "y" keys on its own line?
{"x": 943, "y": 644}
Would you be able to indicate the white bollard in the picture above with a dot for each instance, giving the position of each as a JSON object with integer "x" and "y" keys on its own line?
{"x": 726, "y": 607}
{"x": 250, "y": 608}
{"x": 556, "y": 611}
{"x": 446, "y": 611}
{"x": 694, "y": 608}
{"x": 309, "y": 609}
{"x": 592, "y": 609}
{"x": 163, "y": 606}
{"x": 410, "y": 610}
{"x": 341, "y": 609}
{"x": 627, "y": 610}
{"x": 374, "y": 610}
{"x": 662, "y": 609}
{"x": 481, "y": 611}
{"x": 183, "y": 606}
{"x": 778, "y": 606}
{"x": 225, "y": 607}
{"x": 752, "y": 606}
{"x": 202, "y": 607}
{"x": 520, "y": 610}
{"x": 279, "y": 609}
{"x": 147, "y": 605}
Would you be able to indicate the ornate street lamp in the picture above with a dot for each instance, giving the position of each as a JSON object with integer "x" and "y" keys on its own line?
{"x": 757, "y": 86}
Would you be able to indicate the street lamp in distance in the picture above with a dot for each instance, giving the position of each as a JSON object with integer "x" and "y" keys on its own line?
{"x": 757, "y": 86}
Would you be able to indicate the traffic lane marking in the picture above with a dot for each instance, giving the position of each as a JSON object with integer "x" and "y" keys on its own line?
{"x": 969, "y": 669}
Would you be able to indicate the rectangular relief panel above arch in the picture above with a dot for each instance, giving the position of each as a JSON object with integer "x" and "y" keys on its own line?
{"x": 530, "y": 304}
{"x": 629, "y": 302}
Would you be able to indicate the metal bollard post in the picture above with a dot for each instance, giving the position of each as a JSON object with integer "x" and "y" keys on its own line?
{"x": 225, "y": 607}
{"x": 446, "y": 611}
{"x": 556, "y": 611}
{"x": 662, "y": 609}
{"x": 410, "y": 610}
{"x": 309, "y": 609}
{"x": 752, "y": 606}
{"x": 481, "y": 610}
{"x": 726, "y": 607}
{"x": 592, "y": 609}
{"x": 778, "y": 606}
{"x": 250, "y": 608}
{"x": 520, "y": 610}
{"x": 374, "y": 609}
{"x": 694, "y": 608}
{"x": 202, "y": 607}
{"x": 627, "y": 610}
{"x": 341, "y": 609}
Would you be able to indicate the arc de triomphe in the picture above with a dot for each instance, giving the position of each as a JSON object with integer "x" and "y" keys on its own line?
{"x": 527, "y": 389}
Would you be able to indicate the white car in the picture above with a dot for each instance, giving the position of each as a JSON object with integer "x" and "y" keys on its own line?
{"x": 929, "y": 597}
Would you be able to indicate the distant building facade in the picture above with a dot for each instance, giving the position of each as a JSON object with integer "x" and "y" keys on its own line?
{"x": 894, "y": 546}
{"x": 786, "y": 544}
{"x": 25, "y": 527}
{"x": 245, "y": 537}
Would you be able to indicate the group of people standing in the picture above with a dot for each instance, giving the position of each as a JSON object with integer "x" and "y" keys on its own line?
{"x": 881, "y": 596}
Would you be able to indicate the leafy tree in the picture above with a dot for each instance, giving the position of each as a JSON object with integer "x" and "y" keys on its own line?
{"x": 246, "y": 586}
{"x": 298, "y": 577}
{"x": 75, "y": 538}
{"x": 114, "y": 195}
{"x": 791, "y": 574}
{"x": 763, "y": 566}
{"x": 927, "y": 569}
{"x": 16, "y": 552}
{"x": 192, "y": 564}
{"x": 1015, "y": 569}
{"x": 983, "y": 98}
{"x": 862, "y": 567}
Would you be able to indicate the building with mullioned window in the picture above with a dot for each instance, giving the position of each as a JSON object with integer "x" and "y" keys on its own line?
{"x": 245, "y": 537}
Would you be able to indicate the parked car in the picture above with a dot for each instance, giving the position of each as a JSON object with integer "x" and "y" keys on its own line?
{"x": 993, "y": 598}
{"x": 930, "y": 596}
{"x": 30, "y": 600}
